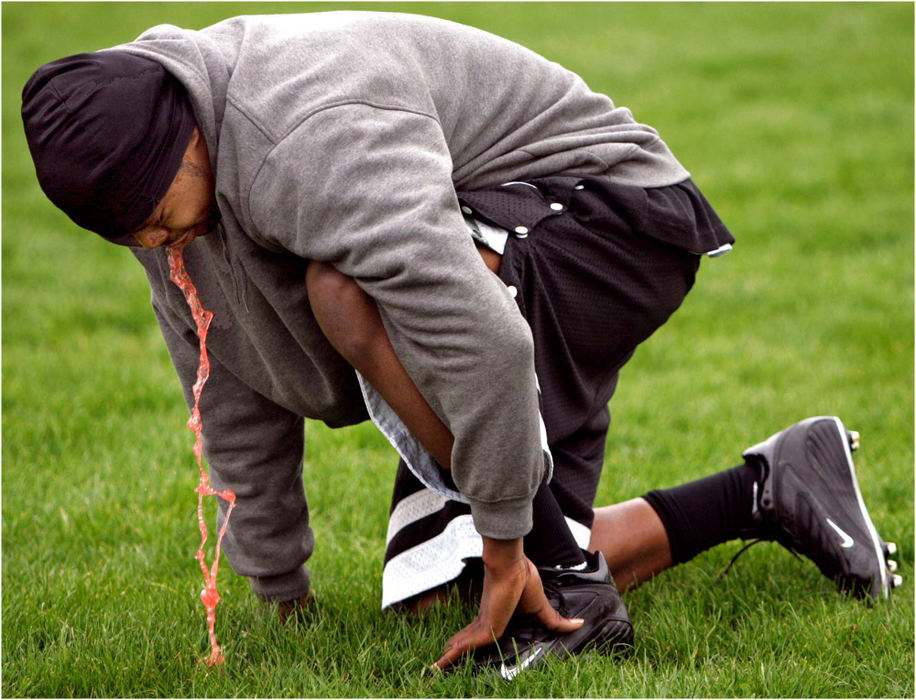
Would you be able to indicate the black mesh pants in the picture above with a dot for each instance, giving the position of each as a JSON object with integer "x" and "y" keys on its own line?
{"x": 597, "y": 269}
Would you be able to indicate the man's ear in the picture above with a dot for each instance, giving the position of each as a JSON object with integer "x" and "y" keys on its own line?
{"x": 196, "y": 138}
{"x": 197, "y": 150}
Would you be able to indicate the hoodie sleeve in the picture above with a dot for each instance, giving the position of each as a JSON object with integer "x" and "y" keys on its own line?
{"x": 254, "y": 447}
{"x": 369, "y": 190}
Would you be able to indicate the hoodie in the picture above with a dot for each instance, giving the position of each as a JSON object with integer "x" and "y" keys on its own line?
{"x": 344, "y": 137}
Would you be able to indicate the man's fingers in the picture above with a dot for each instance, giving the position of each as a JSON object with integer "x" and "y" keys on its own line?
{"x": 466, "y": 640}
{"x": 451, "y": 655}
{"x": 534, "y": 601}
{"x": 474, "y": 636}
{"x": 554, "y": 621}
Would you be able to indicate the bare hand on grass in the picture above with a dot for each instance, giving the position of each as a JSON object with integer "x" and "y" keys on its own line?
{"x": 510, "y": 582}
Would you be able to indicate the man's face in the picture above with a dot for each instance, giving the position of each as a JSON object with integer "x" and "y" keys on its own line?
{"x": 188, "y": 209}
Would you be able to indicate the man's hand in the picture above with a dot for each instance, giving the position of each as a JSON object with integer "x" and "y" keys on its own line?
{"x": 300, "y": 606}
{"x": 510, "y": 581}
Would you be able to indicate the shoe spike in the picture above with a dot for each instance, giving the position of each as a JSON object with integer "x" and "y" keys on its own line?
{"x": 891, "y": 565}
{"x": 889, "y": 549}
{"x": 853, "y": 436}
{"x": 896, "y": 581}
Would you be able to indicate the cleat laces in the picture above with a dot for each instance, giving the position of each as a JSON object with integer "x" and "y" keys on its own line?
{"x": 746, "y": 547}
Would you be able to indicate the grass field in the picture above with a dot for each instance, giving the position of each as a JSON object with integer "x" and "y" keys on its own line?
{"x": 795, "y": 119}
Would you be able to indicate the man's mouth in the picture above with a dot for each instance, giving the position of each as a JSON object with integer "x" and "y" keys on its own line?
{"x": 185, "y": 238}
{"x": 201, "y": 229}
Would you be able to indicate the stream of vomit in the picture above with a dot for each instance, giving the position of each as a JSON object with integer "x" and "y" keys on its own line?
{"x": 202, "y": 317}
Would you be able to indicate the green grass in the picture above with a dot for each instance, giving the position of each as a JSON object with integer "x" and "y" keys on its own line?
{"x": 795, "y": 119}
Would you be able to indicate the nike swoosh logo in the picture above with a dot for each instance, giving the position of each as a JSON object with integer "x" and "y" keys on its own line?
{"x": 845, "y": 540}
{"x": 510, "y": 672}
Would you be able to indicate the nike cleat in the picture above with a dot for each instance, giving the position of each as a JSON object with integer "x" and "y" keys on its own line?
{"x": 810, "y": 503}
{"x": 589, "y": 594}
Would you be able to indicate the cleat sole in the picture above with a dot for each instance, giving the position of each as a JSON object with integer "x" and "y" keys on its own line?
{"x": 885, "y": 583}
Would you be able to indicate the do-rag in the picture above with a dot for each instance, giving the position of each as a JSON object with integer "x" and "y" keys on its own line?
{"x": 107, "y": 132}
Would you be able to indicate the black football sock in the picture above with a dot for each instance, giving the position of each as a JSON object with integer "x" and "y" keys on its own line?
{"x": 703, "y": 513}
{"x": 550, "y": 542}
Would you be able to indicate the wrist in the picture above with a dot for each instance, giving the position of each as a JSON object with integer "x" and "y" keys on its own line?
{"x": 502, "y": 554}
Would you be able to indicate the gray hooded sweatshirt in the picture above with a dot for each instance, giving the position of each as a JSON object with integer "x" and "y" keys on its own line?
{"x": 343, "y": 137}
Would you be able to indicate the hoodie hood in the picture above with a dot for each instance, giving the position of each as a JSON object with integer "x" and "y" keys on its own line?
{"x": 197, "y": 63}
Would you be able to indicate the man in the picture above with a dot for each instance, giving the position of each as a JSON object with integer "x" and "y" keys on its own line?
{"x": 485, "y": 241}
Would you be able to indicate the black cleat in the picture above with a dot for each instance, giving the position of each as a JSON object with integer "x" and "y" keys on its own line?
{"x": 810, "y": 503}
{"x": 589, "y": 594}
